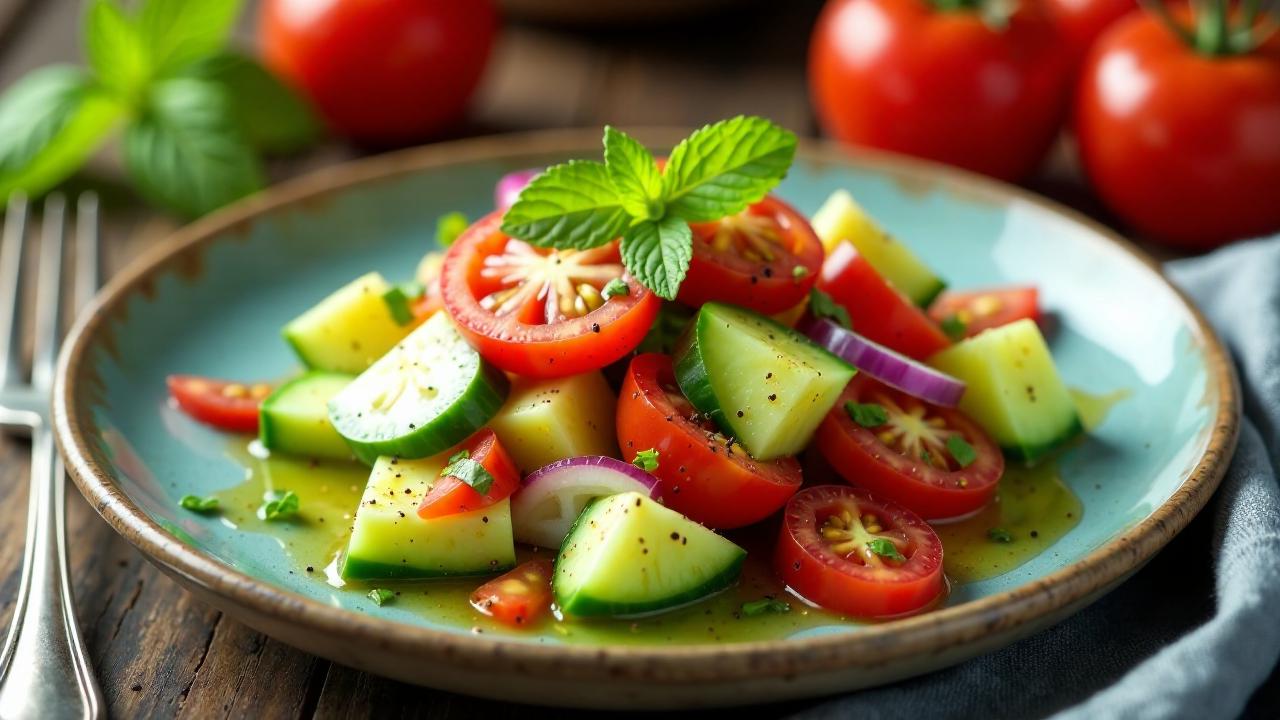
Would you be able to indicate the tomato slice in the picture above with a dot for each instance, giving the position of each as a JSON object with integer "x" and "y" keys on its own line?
{"x": 540, "y": 312}
{"x": 908, "y": 459}
{"x": 877, "y": 310}
{"x": 221, "y": 403}
{"x": 978, "y": 310}
{"x": 832, "y": 552}
{"x": 701, "y": 473}
{"x": 765, "y": 258}
{"x": 520, "y": 598}
{"x": 451, "y": 496}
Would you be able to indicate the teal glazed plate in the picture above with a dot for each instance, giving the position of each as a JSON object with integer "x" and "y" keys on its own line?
{"x": 1151, "y": 379}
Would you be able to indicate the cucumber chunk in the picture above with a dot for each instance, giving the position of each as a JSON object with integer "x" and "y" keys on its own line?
{"x": 348, "y": 330}
{"x": 765, "y": 384}
{"x": 841, "y": 218}
{"x": 429, "y": 392}
{"x": 628, "y": 555}
{"x": 389, "y": 540}
{"x": 295, "y": 418}
{"x": 1014, "y": 390}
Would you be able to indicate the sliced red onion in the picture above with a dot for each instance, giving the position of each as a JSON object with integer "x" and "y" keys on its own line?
{"x": 889, "y": 367}
{"x": 509, "y": 187}
{"x": 552, "y": 497}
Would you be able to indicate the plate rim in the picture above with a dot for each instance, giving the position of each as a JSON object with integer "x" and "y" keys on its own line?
{"x": 895, "y": 640}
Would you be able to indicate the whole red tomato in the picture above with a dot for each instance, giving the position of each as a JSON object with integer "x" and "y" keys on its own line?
{"x": 381, "y": 71}
{"x": 1183, "y": 146}
{"x": 907, "y": 76}
{"x": 1080, "y": 22}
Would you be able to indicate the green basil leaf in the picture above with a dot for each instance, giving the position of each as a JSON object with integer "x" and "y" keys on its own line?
{"x": 885, "y": 549}
{"x": 271, "y": 115}
{"x": 646, "y": 460}
{"x": 186, "y": 152}
{"x": 51, "y": 121}
{"x": 615, "y": 287}
{"x": 722, "y": 168}
{"x": 115, "y": 49}
{"x": 868, "y": 415}
{"x": 658, "y": 253}
{"x": 961, "y": 450}
{"x": 573, "y": 205}
{"x": 179, "y": 32}
{"x": 634, "y": 173}
{"x": 470, "y": 472}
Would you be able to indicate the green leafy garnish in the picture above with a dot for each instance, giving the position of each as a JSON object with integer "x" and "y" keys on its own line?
{"x": 469, "y": 471}
{"x": 615, "y": 287}
{"x": 646, "y": 460}
{"x": 954, "y": 327}
{"x": 999, "y": 535}
{"x": 718, "y": 170}
{"x": 799, "y": 272}
{"x": 885, "y": 549}
{"x": 399, "y": 298}
{"x": 198, "y": 504}
{"x": 765, "y": 606}
{"x": 449, "y": 226}
{"x": 381, "y": 596}
{"x": 962, "y": 451}
{"x": 868, "y": 415}
{"x": 822, "y": 306}
{"x": 282, "y": 505}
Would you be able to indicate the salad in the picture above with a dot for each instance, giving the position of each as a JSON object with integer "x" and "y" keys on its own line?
{"x": 625, "y": 362}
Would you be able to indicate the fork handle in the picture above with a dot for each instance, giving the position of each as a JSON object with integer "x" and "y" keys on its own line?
{"x": 44, "y": 669}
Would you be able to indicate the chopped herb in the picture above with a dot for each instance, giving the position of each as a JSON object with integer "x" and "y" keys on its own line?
{"x": 868, "y": 415}
{"x": 198, "y": 504}
{"x": 381, "y": 596}
{"x": 962, "y": 451}
{"x": 799, "y": 272}
{"x": 614, "y": 287}
{"x": 449, "y": 226}
{"x": 954, "y": 327}
{"x": 469, "y": 471}
{"x": 885, "y": 549}
{"x": 822, "y": 306}
{"x": 283, "y": 505}
{"x": 765, "y": 606}
{"x": 999, "y": 535}
{"x": 646, "y": 460}
{"x": 400, "y": 297}
{"x": 460, "y": 455}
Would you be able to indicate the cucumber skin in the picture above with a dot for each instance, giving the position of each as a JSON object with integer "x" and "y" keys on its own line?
{"x": 1031, "y": 454}
{"x": 925, "y": 300}
{"x": 266, "y": 428}
{"x": 479, "y": 402}
{"x": 355, "y": 569}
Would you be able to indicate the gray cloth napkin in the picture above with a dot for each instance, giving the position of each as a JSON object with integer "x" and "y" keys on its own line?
{"x": 1197, "y": 631}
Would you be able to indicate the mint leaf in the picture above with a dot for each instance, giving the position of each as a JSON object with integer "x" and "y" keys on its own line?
{"x": 962, "y": 451}
{"x": 724, "y": 167}
{"x": 449, "y": 226}
{"x": 283, "y": 505}
{"x": 381, "y": 596}
{"x": 270, "y": 114}
{"x": 999, "y": 535}
{"x": 615, "y": 287}
{"x": 178, "y": 32}
{"x": 646, "y": 460}
{"x": 198, "y": 504}
{"x": 868, "y": 415}
{"x": 765, "y": 606}
{"x": 470, "y": 472}
{"x": 821, "y": 305}
{"x": 573, "y": 205}
{"x": 634, "y": 173}
{"x": 186, "y": 152}
{"x": 885, "y": 549}
{"x": 115, "y": 49}
{"x": 51, "y": 121}
{"x": 658, "y": 253}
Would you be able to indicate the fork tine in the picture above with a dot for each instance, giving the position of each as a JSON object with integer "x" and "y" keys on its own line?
{"x": 15, "y": 226}
{"x": 49, "y": 293}
{"x": 87, "y": 249}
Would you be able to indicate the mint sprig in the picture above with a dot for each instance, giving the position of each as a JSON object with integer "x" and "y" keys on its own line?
{"x": 718, "y": 170}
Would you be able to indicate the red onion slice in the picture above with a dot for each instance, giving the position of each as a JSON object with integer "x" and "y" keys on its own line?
{"x": 509, "y": 187}
{"x": 552, "y": 497}
{"x": 889, "y": 367}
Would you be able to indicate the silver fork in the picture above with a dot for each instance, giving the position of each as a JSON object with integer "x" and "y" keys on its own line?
{"x": 44, "y": 669}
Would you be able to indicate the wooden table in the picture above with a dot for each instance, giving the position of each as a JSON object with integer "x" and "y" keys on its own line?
{"x": 157, "y": 651}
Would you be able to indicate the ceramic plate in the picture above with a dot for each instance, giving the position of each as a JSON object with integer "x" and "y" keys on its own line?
{"x": 1152, "y": 379}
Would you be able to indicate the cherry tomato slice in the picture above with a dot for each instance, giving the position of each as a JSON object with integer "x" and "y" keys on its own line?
{"x": 451, "y": 496}
{"x": 221, "y": 403}
{"x": 765, "y": 258}
{"x": 537, "y": 312}
{"x": 908, "y": 459}
{"x": 520, "y": 598}
{"x": 878, "y": 311}
{"x": 700, "y": 473}
{"x": 849, "y": 552}
{"x": 978, "y": 310}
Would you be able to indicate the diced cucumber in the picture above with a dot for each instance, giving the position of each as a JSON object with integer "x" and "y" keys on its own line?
{"x": 348, "y": 330}
{"x": 841, "y": 218}
{"x": 1014, "y": 391}
{"x": 429, "y": 392}
{"x": 628, "y": 555}
{"x": 295, "y": 418}
{"x": 548, "y": 420}
{"x": 765, "y": 384}
{"x": 389, "y": 540}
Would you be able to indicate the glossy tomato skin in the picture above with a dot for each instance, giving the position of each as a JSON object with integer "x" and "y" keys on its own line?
{"x": 1081, "y": 22}
{"x": 381, "y": 71}
{"x": 864, "y": 460}
{"x": 451, "y": 496}
{"x": 980, "y": 310}
{"x": 806, "y": 562}
{"x": 878, "y": 311}
{"x": 1185, "y": 148}
{"x": 523, "y": 342}
{"x": 223, "y": 404}
{"x": 520, "y": 598}
{"x": 903, "y": 76}
{"x": 700, "y": 475}
{"x": 767, "y": 287}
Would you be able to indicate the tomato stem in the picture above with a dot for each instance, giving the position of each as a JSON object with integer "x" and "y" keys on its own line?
{"x": 1211, "y": 36}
